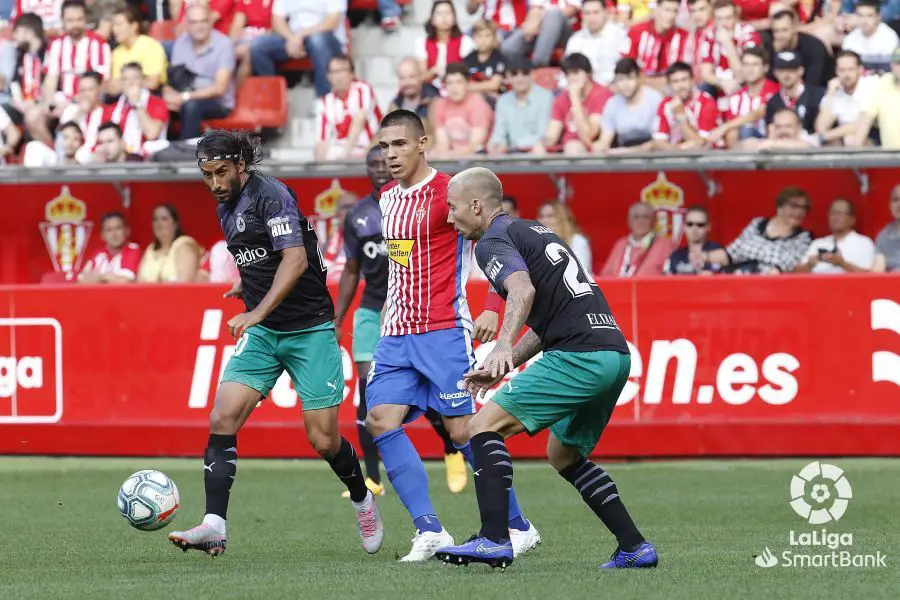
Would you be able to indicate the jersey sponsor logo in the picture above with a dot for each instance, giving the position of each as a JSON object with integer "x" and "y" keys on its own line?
{"x": 493, "y": 268}
{"x": 373, "y": 249}
{"x": 541, "y": 229}
{"x": 250, "y": 256}
{"x": 454, "y": 396}
{"x": 279, "y": 226}
{"x": 399, "y": 251}
{"x": 601, "y": 321}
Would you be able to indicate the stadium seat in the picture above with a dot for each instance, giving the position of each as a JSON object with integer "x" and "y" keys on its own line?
{"x": 547, "y": 78}
{"x": 261, "y": 102}
{"x": 163, "y": 31}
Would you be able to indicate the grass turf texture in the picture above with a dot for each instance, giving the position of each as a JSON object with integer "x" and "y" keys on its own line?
{"x": 291, "y": 535}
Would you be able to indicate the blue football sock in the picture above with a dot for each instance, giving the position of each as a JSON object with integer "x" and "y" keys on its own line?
{"x": 516, "y": 520}
{"x": 406, "y": 472}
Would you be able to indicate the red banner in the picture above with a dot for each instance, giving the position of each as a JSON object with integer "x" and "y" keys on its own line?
{"x": 721, "y": 366}
{"x": 51, "y": 224}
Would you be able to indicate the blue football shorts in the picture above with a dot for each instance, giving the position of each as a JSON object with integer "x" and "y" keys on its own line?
{"x": 423, "y": 370}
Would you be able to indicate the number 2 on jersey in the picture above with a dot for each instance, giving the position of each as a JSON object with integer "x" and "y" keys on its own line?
{"x": 556, "y": 253}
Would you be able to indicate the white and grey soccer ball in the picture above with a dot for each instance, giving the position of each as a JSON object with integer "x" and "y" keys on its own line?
{"x": 148, "y": 500}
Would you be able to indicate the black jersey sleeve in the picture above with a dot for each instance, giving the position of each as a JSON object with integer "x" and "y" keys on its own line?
{"x": 279, "y": 210}
{"x": 498, "y": 259}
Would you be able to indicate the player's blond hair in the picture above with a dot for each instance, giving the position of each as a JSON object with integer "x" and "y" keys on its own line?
{"x": 482, "y": 184}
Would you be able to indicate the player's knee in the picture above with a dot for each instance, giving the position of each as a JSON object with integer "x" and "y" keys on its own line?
{"x": 560, "y": 457}
{"x": 379, "y": 421}
{"x": 326, "y": 444}
{"x": 223, "y": 423}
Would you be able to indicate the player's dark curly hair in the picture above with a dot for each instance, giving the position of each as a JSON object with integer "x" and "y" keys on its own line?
{"x": 230, "y": 145}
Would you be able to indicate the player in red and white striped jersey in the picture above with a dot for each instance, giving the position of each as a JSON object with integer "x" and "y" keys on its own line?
{"x": 426, "y": 346}
{"x": 69, "y": 57}
{"x": 348, "y": 116}
{"x": 50, "y": 12}
{"x": 685, "y": 120}
{"x": 697, "y": 44}
{"x": 745, "y": 115}
{"x": 117, "y": 262}
{"x": 723, "y": 48}
{"x": 74, "y": 54}
{"x": 658, "y": 43}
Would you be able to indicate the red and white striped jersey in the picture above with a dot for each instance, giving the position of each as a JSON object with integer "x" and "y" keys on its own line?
{"x": 26, "y": 84}
{"x": 655, "y": 52}
{"x": 701, "y": 112}
{"x": 50, "y": 11}
{"x": 123, "y": 114}
{"x": 697, "y": 47}
{"x": 744, "y": 37}
{"x": 743, "y": 101}
{"x": 428, "y": 262}
{"x": 335, "y": 114}
{"x": 69, "y": 59}
{"x": 507, "y": 14}
{"x": 125, "y": 262}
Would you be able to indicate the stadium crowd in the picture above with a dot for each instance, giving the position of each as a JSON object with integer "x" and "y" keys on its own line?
{"x": 636, "y": 76}
{"x": 771, "y": 244}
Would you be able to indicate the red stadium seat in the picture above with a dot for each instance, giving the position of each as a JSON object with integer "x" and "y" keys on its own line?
{"x": 261, "y": 103}
{"x": 163, "y": 31}
{"x": 547, "y": 78}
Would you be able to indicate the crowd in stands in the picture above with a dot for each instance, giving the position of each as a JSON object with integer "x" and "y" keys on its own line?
{"x": 635, "y": 75}
{"x": 769, "y": 245}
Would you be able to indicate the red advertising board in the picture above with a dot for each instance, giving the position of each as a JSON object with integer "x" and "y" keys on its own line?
{"x": 52, "y": 225}
{"x": 721, "y": 366}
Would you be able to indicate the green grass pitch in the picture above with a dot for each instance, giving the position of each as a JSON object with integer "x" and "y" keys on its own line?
{"x": 292, "y": 536}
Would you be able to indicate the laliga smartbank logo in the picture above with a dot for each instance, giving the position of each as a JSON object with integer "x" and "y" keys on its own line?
{"x": 820, "y": 493}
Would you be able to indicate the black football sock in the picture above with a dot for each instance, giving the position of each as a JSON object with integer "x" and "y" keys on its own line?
{"x": 599, "y": 492}
{"x": 219, "y": 469}
{"x": 493, "y": 480}
{"x": 345, "y": 465}
{"x": 437, "y": 421}
{"x": 370, "y": 450}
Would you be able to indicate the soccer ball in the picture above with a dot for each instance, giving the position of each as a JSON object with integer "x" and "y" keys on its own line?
{"x": 148, "y": 500}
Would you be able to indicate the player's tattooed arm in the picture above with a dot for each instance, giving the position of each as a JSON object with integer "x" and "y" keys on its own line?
{"x": 520, "y": 297}
{"x": 526, "y": 348}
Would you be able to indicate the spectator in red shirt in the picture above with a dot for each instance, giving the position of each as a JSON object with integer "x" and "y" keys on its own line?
{"x": 252, "y": 19}
{"x": 462, "y": 119}
{"x": 755, "y": 13}
{"x": 703, "y": 27}
{"x": 745, "y": 116}
{"x": 118, "y": 261}
{"x": 347, "y": 116}
{"x": 658, "y": 43}
{"x": 643, "y": 251}
{"x": 723, "y": 47}
{"x": 444, "y": 42}
{"x": 576, "y": 114}
{"x": 686, "y": 119}
{"x": 546, "y": 28}
{"x": 25, "y": 86}
{"x": 142, "y": 116}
